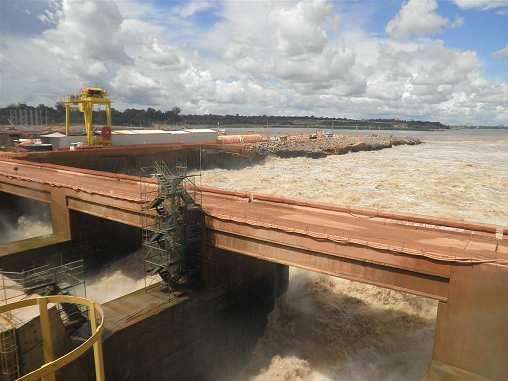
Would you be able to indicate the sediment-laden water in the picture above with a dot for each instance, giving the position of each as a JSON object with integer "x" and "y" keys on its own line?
{"x": 326, "y": 328}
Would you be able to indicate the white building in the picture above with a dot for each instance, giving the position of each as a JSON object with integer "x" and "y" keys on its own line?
{"x": 145, "y": 136}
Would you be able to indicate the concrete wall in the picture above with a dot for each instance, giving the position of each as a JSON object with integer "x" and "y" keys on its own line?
{"x": 130, "y": 161}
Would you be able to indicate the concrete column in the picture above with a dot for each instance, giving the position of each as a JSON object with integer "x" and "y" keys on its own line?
{"x": 471, "y": 340}
{"x": 60, "y": 216}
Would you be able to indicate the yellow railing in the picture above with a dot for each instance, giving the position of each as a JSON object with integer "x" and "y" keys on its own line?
{"x": 51, "y": 365}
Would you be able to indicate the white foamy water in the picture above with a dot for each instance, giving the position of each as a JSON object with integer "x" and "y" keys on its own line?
{"x": 118, "y": 278}
{"x": 326, "y": 328}
{"x": 26, "y": 227}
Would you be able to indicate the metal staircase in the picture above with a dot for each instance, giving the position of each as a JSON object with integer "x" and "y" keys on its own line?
{"x": 172, "y": 229}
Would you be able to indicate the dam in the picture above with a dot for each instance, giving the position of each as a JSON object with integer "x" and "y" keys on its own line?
{"x": 248, "y": 242}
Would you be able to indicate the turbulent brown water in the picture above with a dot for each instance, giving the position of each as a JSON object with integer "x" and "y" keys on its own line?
{"x": 331, "y": 329}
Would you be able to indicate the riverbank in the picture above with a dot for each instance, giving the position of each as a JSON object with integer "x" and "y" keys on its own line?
{"x": 319, "y": 146}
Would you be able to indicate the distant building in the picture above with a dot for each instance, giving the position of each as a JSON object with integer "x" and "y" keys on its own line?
{"x": 61, "y": 141}
{"x": 145, "y": 136}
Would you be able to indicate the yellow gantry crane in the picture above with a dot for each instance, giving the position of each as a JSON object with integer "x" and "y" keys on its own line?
{"x": 85, "y": 101}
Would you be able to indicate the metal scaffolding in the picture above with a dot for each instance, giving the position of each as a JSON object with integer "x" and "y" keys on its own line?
{"x": 63, "y": 279}
{"x": 172, "y": 226}
{"x": 9, "y": 354}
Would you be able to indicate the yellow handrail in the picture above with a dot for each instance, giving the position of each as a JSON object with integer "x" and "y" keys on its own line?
{"x": 47, "y": 371}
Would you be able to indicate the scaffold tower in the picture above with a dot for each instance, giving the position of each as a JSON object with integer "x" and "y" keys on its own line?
{"x": 172, "y": 229}
{"x": 61, "y": 279}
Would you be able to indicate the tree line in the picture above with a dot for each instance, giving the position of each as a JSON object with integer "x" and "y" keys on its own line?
{"x": 151, "y": 116}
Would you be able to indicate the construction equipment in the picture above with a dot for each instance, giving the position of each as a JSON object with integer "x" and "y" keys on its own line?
{"x": 85, "y": 101}
{"x": 172, "y": 233}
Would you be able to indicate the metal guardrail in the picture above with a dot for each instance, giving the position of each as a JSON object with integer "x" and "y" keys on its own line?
{"x": 51, "y": 365}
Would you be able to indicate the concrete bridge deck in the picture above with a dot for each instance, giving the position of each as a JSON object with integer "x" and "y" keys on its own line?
{"x": 463, "y": 265}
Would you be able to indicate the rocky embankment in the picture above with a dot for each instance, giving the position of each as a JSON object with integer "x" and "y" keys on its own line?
{"x": 322, "y": 146}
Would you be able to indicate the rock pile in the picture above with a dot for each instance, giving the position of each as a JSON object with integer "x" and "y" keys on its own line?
{"x": 317, "y": 146}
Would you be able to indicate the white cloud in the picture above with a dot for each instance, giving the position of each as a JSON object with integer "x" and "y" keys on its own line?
{"x": 195, "y": 7}
{"x": 131, "y": 86}
{"x": 87, "y": 40}
{"x": 481, "y": 4}
{"x": 299, "y": 29}
{"x": 501, "y": 54}
{"x": 416, "y": 18}
{"x": 289, "y": 57}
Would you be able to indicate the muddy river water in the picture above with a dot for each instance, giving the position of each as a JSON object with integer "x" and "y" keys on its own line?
{"x": 326, "y": 328}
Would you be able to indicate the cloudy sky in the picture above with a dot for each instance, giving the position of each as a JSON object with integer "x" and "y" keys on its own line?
{"x": 418, "y": 59}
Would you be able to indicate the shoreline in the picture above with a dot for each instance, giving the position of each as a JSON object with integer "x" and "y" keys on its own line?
{"x": 321, "y": 146}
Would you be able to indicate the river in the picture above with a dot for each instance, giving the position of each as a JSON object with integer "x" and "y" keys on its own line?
{"x": 327, "y": 328}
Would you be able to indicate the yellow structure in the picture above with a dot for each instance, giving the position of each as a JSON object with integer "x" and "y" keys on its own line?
{"x": 47, "y": 371}
{"x": 85, "y": 102}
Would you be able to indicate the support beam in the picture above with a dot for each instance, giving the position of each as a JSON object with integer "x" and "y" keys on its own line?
{"x": 60, "y": 218}
{"x": 384, "y": 276}
{"x": 109, "y": 212}
{"x": 471, "y": 342}
{"x": 33, "y": 243}
{"x": 19, "y": 189}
